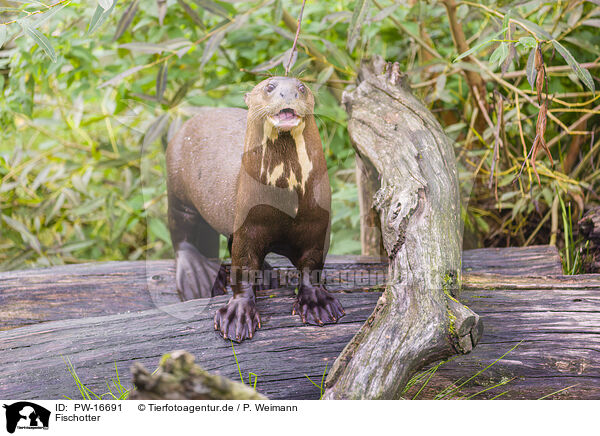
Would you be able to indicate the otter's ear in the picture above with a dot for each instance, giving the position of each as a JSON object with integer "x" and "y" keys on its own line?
{"x": 246, "y": 97}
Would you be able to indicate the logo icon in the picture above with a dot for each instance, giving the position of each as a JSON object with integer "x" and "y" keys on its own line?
{"x": 26, "y": 415}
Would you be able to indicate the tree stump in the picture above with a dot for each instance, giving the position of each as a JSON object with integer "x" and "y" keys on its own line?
{"x": 417, "y": 319}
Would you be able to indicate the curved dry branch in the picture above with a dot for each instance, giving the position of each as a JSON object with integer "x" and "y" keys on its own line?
{"x": 417, "y": 320}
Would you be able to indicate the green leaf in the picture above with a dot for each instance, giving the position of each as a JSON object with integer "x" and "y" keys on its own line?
{"x": 583, "y": 74}
{"x": 385, "y": 12}
{"x": 594, "y": 22}
{"x": 99, "y": 17}
{"x": 499, "y": 55}
{"x": 212, "y": 7}
{"x": 478, "y": 46}
{"x": 277, "y": 11}
{"x": 121, "y": 76}
{"x": 539, "y": 32}
{"x": 528, "y": 41}
{"x": 105, "y": 4}
{"x": 39, "y": 39}
{"x": 161, "y": 80}
{"x": 126, "y": 19}
{"x": 155, "y": 130}
{"x": 361, "y": 9}
{"x": 42, "y": 18}
{"x": 289, "y": 58}
{"x": 271, "y": 63}
{"x": 323, "y": 77}
{"x": 192, "y": 14}
{"x": 159, "y": 230}
{"x": 3, "y": 35}
{"x": 505, "y": 21}
{"x": 211, "y": 46}
{"x": 530, "y": 68}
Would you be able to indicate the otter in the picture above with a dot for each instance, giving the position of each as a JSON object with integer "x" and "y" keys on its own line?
{"x": 260, "y": 178}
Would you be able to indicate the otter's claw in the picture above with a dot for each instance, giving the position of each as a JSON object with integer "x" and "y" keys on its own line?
{"x": 238, "y": 319}
{"x": 316, "y": 306}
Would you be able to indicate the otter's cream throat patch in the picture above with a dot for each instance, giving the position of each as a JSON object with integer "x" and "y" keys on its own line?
{"x": 303, "y": 159}
{"x": 306, "y": 166}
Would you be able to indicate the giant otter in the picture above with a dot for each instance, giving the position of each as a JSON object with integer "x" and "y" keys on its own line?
{"x": 260, "y": 178}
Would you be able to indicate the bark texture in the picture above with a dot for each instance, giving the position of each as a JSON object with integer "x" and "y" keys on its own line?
{"x": 417, "y": 320}
{"x": 179, "y": 378}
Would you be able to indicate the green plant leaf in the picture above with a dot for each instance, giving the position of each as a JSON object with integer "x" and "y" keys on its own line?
{"x": 42, "y": 18}
{"x": 161, "y": 80}
{"x": 361, "y": 9}
{"x": 528, "y": 41}
{"x": 159, "y": 230}
{"x": 271, "y": 63}
{"x": 213, "y": 7}
{"x": 122, "y": 75}
{"x": 540, "y": 33}
{"x": 99, "y": 17}
{"x": 3, "y": 35}
{"x": 156, "y": 128}
{"x": 530, "y": 70}
{"x": 478, "y": 46}
{"x": 211, "y": 46}
{"x": 39, "y": 39}
{"x": 499, "y": 55}
{"x": 277, "y": 11}
{"x": 126, "y": 19}
{"x": 105, "y": 4}
{"x": 384, "y": 13}
{"x": 594, "y": 22}
{"x": 583, "y": 74}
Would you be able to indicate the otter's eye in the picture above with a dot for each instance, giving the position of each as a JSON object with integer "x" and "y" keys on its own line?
{"x": 270, "y": 87}
{"x": 302, "y": 88}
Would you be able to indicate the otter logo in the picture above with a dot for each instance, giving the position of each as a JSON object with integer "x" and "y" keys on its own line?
{"x": 26, "y": 415}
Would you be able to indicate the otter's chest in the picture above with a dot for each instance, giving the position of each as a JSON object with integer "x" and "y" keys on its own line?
{"x": 284, "y": 163}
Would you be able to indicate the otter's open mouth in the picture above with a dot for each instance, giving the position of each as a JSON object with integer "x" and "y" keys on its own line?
{"x": 286, "y": 119}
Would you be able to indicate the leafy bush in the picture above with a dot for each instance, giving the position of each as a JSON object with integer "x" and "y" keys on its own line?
{"x": 92, "y": 93}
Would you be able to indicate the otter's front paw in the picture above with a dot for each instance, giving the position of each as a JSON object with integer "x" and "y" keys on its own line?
{"x": 316, "y": 306}
{"x": 238, "y": 319}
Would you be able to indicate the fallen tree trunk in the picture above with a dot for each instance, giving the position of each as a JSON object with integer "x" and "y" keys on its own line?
{"x": 417, "y": 320}
{"x": 103, "y": 288}
{"x": 556, "y": 320}
{"x": 548, "y": 330}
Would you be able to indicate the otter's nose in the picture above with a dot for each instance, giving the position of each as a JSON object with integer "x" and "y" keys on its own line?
{"x": 288, "y": 94}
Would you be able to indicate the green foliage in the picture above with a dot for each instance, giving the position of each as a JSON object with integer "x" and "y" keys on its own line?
{"x": 91, "y": 94}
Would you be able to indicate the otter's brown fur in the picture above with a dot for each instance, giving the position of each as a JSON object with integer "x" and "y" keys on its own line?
{"x": 260, "y": 178}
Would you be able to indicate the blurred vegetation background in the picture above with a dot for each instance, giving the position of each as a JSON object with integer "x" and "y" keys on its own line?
{"x": 91, "y": 92}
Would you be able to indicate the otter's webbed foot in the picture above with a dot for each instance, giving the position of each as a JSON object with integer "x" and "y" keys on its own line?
{"x": 238, "y": 319}
{"x": 196, "y": 275}
{"x": 316, "y": 306}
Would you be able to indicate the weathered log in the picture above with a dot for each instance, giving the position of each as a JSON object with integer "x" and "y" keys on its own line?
{"x": 103, "y": 288}
{"x": 556, "y": 318}
{"x": 179, "y": 378}
{"x": 282, "y": 353}
{"x": 554, "y": 325}
{"x": 417, "y": 319}
{"x": 589, "y": 230}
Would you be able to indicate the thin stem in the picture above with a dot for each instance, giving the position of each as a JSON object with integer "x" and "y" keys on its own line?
{"x": 29, "y": 14}
{"x": 287, "y": 68}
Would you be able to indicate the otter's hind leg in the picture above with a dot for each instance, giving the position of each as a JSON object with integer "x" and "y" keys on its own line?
{"x": 198, "y": 272}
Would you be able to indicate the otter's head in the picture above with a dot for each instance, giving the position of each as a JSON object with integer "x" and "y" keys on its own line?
{"x": 284, "y": 102}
